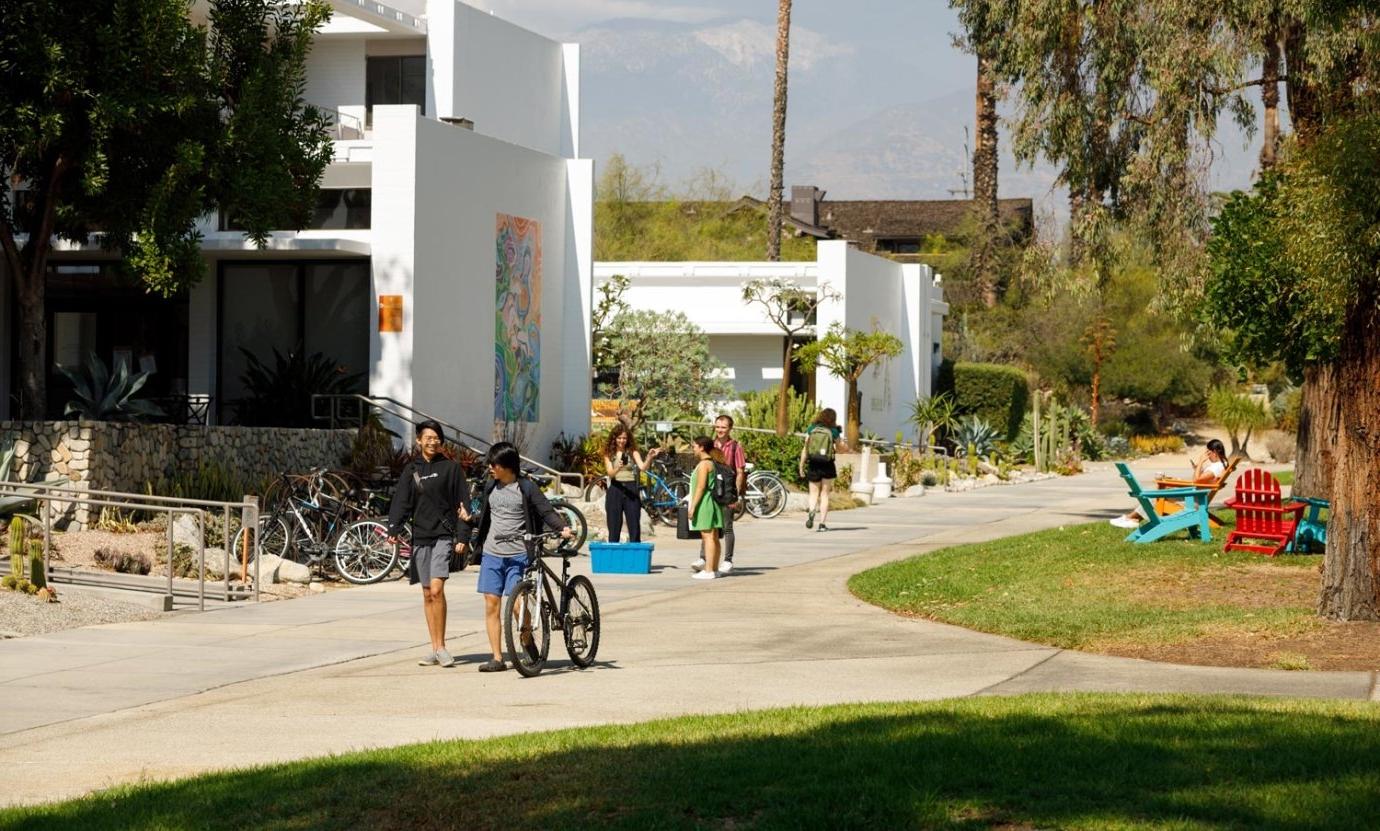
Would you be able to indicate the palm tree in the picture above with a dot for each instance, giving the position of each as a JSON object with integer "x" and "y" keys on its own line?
{"x": 778, "y": 130}
{"x": 985, "y": 180}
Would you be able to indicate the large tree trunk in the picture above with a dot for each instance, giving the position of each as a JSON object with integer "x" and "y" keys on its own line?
{"x": 1319, "y": 422}
{"x": 1351, "y": 566}
{"x": 1269, "y": 94}
{"x": 778, "y": 130}
{"x": 33, "y": 347}
{"x": 783, "y": 393}
{"x": 1304, "y": 107}
{"x": 985, "y": 184}
{"x": 853, "y": 419}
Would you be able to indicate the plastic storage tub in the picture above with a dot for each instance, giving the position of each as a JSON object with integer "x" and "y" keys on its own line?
{"x": 620, "y": 557}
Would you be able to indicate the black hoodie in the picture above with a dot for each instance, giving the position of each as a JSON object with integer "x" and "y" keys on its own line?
{"x": 430, "y": 494}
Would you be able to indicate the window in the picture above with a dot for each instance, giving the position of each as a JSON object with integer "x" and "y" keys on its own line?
{"x": 394, "y": 80}
{"x": 899, "y": 245}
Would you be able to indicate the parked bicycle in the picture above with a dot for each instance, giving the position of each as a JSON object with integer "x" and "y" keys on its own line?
{"x": 661, "y": 487}
{"x": 765, "y": 496}
{"x": 313, "y": 527}
{"x": 545, "y": 600}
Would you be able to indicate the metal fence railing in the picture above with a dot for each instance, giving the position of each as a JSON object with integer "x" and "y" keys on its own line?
{"x": 354, "y": 408}
{"x": 48, "y": 497}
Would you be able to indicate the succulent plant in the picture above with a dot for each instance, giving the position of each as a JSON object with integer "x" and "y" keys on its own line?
{"x": 105, "y": 396}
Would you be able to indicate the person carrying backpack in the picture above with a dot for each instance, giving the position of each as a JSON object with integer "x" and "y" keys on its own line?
{"x": 736, "y": 473}
{"x": 708, "y": 492}
{"x": 817, "y": 464}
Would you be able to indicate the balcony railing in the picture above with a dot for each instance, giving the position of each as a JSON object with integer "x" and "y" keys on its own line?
{"x": 342, "y": 126}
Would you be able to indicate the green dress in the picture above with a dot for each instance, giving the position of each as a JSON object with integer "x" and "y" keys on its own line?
{"x": 708, "y": 514}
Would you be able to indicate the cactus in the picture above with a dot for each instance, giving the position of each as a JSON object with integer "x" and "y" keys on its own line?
{"x": 972, "y": 460}
{"x": 38, "y": 575}
{"x": 17, "y": 530}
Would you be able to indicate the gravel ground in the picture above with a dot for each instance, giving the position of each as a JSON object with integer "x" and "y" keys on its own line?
{"x": 22, "y": 615}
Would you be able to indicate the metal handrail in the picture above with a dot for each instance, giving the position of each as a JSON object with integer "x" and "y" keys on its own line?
{"x": 874, "y": 442}
{"x": 379, "y": 401}
{"x": 47, "y": 494}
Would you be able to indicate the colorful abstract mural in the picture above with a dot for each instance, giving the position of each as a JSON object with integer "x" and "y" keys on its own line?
{"x": 517, "y": 326}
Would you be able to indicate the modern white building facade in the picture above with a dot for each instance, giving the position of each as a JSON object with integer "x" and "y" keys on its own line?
{"x": 904, "y": 299}
{"x": 449, "y": 261}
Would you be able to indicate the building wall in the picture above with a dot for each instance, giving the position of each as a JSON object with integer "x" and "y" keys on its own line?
{"x": 510, "y": 82}
{"x": 873, "y": 292}
{"x": 755, "y": 360}
{"x": 336, "y": 75}
{"x": 6, "y": 310}
{"x": 437, "y": 250}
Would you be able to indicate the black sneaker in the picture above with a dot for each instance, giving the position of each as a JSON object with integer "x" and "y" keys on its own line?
{"x": 810, "y": 519}
{"x": 492, "y": 666}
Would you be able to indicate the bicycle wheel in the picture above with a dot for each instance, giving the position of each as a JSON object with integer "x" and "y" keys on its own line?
{"x": 596, "y": 490}
{"x": 581, "y": 622}
{"x": 767, "y": 496}
{"x": 274, "y": 537}
{"x": 527, "y": 628}
{"x": 576, "y": 521}
{"x": 363, "y": 553}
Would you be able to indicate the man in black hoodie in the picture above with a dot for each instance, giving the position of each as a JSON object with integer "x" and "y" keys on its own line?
{"x": 433, "y": 493}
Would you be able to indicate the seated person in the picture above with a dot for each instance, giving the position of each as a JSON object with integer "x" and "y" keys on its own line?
{"x": 1206, "y": 471}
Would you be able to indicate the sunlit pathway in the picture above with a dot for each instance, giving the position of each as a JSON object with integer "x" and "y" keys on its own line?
{"x": 331, "y": 673}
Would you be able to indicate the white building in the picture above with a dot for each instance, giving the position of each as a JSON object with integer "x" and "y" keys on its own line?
{"x": 904, "y": 299}
{"x": 457, "y": 156}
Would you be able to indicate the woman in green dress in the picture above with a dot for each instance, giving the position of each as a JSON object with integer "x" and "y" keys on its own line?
{"x": 706, "y": 515}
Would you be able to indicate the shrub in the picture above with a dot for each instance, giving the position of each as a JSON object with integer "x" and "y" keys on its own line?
{"x": 102, "y": 395}
{"x": 1281, "y": 446}
{"x": 769, "y": 451}
{"x": 373, "y": 446}
{"x": 1151, "y": 445}
{"x": 929, "y": 478}
{"x": 579, "y": 454}
{"x": 1117, "y": 447}
{"x": 212, "y": 481}
{"x": 124, "y": 562}
{"x": 1239, "y": 414}
{"x": 759, "y": 411}
{"x": 279, "y": 395}
{"x": 1285, "y": 409}
{"x": 906, "y": 467}
{"x": 944, "y": 378}
{"x": 1069, "y": 425}
{"x": 997, "y": 394}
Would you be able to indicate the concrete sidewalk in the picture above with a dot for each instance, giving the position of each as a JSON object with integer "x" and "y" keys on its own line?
{"x": 331, "y": 673}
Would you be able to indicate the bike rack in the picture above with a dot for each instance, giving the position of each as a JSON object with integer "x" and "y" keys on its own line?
{"x": 413, "y": 416}
{"x": 47, "y": 495}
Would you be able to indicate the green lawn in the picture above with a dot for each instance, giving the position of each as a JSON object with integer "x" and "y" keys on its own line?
{"x": 1285, "y": 477}
{"x": 1027, "y": 762}
{"x": 1084, "y": 587}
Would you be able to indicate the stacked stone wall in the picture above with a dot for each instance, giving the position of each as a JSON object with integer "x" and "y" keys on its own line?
{"x": 98, "y": 455}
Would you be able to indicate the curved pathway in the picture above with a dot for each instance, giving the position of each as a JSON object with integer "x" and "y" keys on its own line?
{"x": 326, "y": 674}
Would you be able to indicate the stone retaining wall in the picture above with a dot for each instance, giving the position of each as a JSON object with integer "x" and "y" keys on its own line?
{"x": 102, "y": 455}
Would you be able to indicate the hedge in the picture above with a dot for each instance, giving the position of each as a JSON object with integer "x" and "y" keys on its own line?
{"x": 995, "y": 393}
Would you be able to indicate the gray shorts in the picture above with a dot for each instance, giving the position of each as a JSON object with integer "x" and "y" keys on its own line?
{"x": 431, "y": 562}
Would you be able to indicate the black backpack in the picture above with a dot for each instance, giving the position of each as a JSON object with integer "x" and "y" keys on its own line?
{"x": 725, "y": 490}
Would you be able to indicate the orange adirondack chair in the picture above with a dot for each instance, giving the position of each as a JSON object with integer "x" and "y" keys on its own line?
{"x": 1262, "y": 515}
{"x": 1166, "y": 506}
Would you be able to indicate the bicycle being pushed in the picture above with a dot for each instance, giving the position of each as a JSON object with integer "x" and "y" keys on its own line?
{"x": 544, "y": 601}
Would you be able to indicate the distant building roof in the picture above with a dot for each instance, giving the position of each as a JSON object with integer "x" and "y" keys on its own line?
{"x": 893, "y": 218}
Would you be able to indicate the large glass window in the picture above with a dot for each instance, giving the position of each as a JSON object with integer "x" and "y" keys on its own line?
{"x": 316, "y": 306}
{"x": 336, "y": 208}
{"x": 394, "y": 80}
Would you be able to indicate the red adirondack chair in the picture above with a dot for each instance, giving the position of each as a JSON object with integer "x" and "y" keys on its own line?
{"x": 1264, "y": 521}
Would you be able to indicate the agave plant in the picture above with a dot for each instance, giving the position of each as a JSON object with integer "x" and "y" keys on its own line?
{"x": 976, "y": 434}
{"x": 102, "y": 395}
{"x": 280, "y": 395}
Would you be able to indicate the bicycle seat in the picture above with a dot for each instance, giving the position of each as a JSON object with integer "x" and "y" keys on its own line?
{"x": 749, "y": 466}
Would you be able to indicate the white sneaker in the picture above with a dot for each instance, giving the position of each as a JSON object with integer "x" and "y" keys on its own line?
{"x": 726, "y": 566}
{"x": 704, "y": 575}
{"x": 1126, "y": 522}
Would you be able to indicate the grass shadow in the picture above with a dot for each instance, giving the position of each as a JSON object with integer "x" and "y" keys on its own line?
{"x": 1041, "y": 761}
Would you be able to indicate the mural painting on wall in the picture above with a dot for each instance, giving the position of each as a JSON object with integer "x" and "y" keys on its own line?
{"x": 517, "y": 329}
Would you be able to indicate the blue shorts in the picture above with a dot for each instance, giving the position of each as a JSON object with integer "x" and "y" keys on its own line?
{"x": 500, "y": 575}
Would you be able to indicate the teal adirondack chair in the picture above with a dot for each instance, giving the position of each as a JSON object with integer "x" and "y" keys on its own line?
{"x": 1193, "y": 517}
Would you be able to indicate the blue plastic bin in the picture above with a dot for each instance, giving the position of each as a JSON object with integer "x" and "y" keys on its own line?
{"x": 620, "y": 557}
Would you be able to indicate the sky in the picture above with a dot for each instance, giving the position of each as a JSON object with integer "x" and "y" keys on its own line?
{"x": 880, "y": 100}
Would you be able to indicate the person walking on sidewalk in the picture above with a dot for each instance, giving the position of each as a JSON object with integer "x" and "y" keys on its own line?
{"x": 512, "y": 505}
{"x": 736, "y": 459}
{"x": 433, "y": 494}
{"x": 817, "y": 465}
{"x": 706, "y": 514}
{"x": 624, "y": 464}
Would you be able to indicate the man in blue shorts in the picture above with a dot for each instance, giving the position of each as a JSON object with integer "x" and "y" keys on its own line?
{"x": 513, "y": 504}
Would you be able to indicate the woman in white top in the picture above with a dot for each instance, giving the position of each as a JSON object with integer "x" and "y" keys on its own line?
{"x": 1206, "y": 471}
